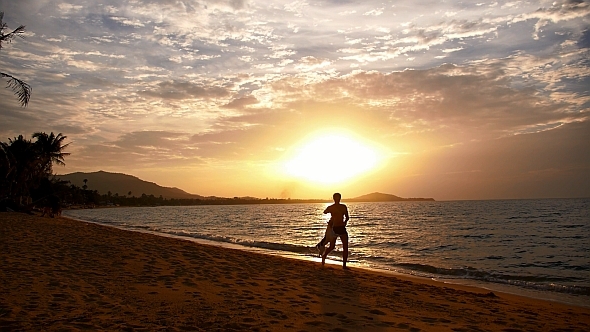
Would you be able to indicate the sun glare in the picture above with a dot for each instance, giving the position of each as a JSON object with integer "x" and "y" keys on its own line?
{"x": 332, "y": 159}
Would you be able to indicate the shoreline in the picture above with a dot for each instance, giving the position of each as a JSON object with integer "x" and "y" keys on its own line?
{"x": 67, "y": 274}
{"x": 536, "y": 294}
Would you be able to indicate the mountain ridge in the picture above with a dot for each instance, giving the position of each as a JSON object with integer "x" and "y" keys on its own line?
{"x": 121, "y": 184}
{"x": 381, "y": 197}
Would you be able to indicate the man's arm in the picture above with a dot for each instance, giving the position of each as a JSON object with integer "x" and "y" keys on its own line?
{"x": 346, "y": 217}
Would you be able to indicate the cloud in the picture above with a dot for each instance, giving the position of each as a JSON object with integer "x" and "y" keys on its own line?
{"x": 374, "y": 12}
{"x": 584, "y": 40}
{"x": 564, "y": 10}
{"x": 145, "y": 149}
{"x": 477, "y": 99}
{"x": 236, "y": 80}
{"x": 310, "y": 63}
{"x": 240, "y": 103}
{"x": 184, "y": 90}
{"x": 543, "y": 165}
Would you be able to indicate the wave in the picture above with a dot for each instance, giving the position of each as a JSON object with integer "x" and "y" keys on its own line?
{"x": 274, "y": 246}
{"x": 530, "y": 282}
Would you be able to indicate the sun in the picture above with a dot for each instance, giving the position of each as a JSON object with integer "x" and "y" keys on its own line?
{"x": 332, "y": 158}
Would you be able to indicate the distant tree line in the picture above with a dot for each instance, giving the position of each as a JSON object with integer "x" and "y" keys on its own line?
{"x": 151, "y": 200}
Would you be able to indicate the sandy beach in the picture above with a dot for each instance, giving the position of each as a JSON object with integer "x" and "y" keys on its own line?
{"x": 65, "y": 275}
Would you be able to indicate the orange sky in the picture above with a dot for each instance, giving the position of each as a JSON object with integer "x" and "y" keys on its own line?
{"x": 449, "y": 100}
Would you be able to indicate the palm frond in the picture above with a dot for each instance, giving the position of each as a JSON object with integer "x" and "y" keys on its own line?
{"x": 8, "y": 37}
{"x": 21, "y": 89}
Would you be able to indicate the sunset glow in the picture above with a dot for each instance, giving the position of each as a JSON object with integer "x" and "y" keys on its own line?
{"x": 331, "y": 159}
{"x": 443, "y": 99}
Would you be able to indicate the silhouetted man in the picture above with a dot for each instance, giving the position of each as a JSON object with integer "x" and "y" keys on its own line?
{"x": 338, "y": 219}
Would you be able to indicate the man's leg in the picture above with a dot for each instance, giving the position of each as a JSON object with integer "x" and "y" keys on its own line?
{"x": 344, "y": 239}
{"x": 321, "y": 247}
{"x": 330, "y": 248}
{"x": 322, "y": 242}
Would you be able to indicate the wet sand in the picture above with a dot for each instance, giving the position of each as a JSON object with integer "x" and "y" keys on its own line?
{"x": 65, "y": 275}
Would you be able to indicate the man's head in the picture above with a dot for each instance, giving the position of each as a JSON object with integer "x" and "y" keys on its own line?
{"x": 337, "y": 197}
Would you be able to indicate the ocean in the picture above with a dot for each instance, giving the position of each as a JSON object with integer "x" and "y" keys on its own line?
{"x": 537, "y": 248}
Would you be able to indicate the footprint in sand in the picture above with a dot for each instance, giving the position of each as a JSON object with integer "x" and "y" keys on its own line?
{"x": 377, "y": 312}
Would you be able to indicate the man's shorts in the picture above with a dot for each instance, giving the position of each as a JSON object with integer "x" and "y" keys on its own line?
{"x": 340, "y": 230}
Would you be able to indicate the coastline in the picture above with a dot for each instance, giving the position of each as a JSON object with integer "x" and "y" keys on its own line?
{"x": 464, "y": 283}
{"x": 67, "y": 274}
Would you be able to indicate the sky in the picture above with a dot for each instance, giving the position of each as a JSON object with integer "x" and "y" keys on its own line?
{"x": 299, "y": 99}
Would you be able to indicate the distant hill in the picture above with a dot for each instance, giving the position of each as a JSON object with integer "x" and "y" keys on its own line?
{"x": 122, "y": 184}
{"x": 380, "y": 197}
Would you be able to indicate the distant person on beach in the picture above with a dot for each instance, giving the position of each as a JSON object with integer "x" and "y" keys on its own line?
{"x": 338, "y": 219}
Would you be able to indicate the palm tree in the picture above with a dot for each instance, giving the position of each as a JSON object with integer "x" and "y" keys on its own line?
{"x": 22, "y": 172}
{"x": 5, "y": 169}
{"x": 50, "y": 148}
{"x": 21, "y": 89}
{"x": 26, "y": 164}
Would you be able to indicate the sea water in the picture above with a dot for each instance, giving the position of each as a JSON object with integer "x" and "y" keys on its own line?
{"x": 538, "y": 248}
